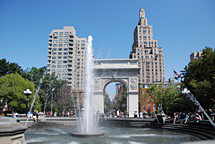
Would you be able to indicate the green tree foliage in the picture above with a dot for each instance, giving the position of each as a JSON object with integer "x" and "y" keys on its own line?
{"x": 12, "y": 88}
{"x": 199, "y": 78}
{"x": 35, "y": 74}
{"x": 7, "y": 68}
{"x": 52, "y": 90}
{"x": 170, "y": 98}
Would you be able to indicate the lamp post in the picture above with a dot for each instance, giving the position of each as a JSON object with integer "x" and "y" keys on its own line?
{"x": 27, "y": 92}
{"x": 52, "y": 94}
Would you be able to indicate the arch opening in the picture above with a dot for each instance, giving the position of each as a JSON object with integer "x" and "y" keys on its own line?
{"x": 115, "y": 95}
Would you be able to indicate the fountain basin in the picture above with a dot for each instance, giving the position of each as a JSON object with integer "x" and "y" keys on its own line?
{"x": 47, "y": 133}
{"x": 77, "y": 134}
{"x": 11, "y": 131}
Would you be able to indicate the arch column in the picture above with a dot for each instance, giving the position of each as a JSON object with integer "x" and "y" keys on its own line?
{"x": 133, "y": 103}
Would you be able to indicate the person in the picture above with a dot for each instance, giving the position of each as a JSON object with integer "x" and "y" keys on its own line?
{"x": 198, "y": 117}
{"x": 14, "y": 115}
{"x": 117, "y": 113}
{"x": 29, "y": 115}
{"x": 175, "y": 117}
{"x": 37, "y": 116}
{"x": 187, "y": 118}
{"x": 182, "y": 117}
{"x": 211, "y": 114}
{"x": 163, "y": 117}
{"x": 135, "y": 114}
{"x": 141, "y": 114}
{"x": 55, "y": 114}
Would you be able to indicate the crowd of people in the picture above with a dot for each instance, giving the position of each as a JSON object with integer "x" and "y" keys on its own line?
{"x": 184, "y": 118}
{"x": 177, "y": 117}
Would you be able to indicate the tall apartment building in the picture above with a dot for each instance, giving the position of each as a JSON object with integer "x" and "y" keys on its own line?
{"x": 148, "y": 52}
{"x": 66, "y": 56}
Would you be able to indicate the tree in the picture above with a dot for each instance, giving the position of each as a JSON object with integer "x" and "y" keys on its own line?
{"x": 199, "y": 78}
{"x": 12, "y": 88}
{"x": 63, "y": 99}
{"x": 7, "y": 68}
{"x": 34, "y": 74}
{"x": 51, "y": 92}
{"x": 171, "y": 98}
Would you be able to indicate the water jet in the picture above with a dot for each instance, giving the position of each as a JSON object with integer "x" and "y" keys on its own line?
{"x": 88, "y": 120}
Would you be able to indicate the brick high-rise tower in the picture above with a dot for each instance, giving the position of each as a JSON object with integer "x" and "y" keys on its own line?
{"x": 147, "y": 51}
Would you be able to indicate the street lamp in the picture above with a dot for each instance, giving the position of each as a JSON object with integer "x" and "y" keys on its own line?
{"x": 52, "y": 94}
{"x": 27, "y": 92}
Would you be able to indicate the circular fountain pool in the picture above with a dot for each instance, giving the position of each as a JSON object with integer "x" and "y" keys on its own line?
{"x": 61, "y": 134}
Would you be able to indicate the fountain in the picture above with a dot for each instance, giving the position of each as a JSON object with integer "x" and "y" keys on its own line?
{"x": 49, "y": 133}
{"x": 196, "y": 102}
{"x": 88, "y": 119}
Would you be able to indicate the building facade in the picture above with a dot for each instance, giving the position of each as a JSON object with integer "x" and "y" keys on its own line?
{"x": 66, "y": 56}
{"x": 146, "y": 101}
{"x": 147, "y": 51}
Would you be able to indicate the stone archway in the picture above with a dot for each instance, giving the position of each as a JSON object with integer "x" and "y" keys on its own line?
{"x": 124, "y": 70}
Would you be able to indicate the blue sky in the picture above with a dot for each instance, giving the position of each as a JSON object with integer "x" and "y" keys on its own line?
{"x": 181, "y": 26}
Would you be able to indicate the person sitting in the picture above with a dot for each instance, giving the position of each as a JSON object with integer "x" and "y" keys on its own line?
{"x": 198, "y": 117}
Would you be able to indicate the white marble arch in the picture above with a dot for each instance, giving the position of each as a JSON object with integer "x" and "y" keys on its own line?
{"x": 116, "y": 70}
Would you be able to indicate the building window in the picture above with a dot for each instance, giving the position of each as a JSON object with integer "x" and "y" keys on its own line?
{"x": 61, "y": 33}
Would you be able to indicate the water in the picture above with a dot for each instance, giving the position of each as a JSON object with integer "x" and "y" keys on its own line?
{"x": 196, "y": 102}
{"x": 61, "y": 134}
{"x": 88, "y": 123}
